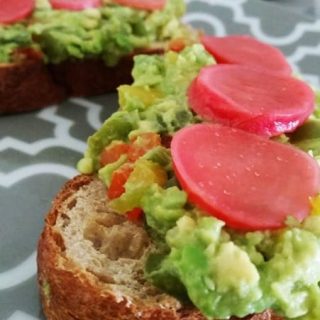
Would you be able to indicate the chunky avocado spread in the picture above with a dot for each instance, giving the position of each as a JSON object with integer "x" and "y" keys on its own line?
{"x": 307, "y": 136}
{"x": 13, "y": 38}
{"x": 108, "y": 32}
{"x": 223, "y": 272}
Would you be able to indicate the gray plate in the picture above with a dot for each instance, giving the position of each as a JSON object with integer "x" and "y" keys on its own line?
{"x": 38, "y": 151}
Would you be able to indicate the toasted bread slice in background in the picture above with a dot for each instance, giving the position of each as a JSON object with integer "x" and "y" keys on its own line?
{"x": 91, "y": 263}
{"x": 27, "y": 85}
{"x": 92, "y": 77}
{"x": 31, "y": 84}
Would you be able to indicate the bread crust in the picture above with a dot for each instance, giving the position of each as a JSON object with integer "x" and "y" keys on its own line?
{"x": 31, "y": 84}
{"x": 92, "y": 77}
{"x": 69, "y": 292}
{"x": 28, "y": 85}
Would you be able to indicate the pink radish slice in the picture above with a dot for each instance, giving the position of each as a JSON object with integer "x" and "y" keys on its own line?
{"x": 15, "y": 10}
{"x": 248, "y": 181}
{"x": 245, "y": 50}
{"x": 257, "y": 101}
{"x": 75, "y": 5}
{"x": 143, "y": 4}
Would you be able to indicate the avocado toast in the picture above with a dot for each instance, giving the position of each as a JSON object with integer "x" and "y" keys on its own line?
{"x": 51, "y": 50}
{"x": 181, "y": 216}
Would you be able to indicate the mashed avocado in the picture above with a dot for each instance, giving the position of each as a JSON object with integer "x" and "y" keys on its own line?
{"x": 226, "y": 273}
{"x": 12, "y": 38}
{"x": 317, "y": 111}
{"x": 155, "y": 102}
{"x": 223, "y": 272}
{"x": 307, "y": 136}
{"x": 238, "y": 274}
{"x": 108, "y": 32}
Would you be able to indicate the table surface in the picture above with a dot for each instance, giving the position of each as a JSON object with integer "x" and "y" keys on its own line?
{"x": 307, "y": 7}
{"x": 39, "y": 150}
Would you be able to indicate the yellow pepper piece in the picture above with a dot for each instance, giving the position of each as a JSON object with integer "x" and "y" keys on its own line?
{"x": 146, "y": 173}
{"x": 137, "y": 95}
{"x": 315, "y": 205}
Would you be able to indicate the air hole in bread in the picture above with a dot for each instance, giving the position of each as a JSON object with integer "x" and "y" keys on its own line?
{"x": 113, "y": 236}
{"x": 109, "y": 219}
{"x": 72, "y": 204}
{"x": 66, "y": 220}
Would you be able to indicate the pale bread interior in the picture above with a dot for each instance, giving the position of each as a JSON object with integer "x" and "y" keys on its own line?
{"x": 108, "y": 246}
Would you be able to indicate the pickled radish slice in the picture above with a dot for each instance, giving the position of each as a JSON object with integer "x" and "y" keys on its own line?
{"x": 246, "y": 180}
{"x": 14, "y": 10}
{"x": 143, "y": 4}
{"x": 246, "y": 50}
{"x": 75, "y": 5}
{"x": 257, "y": 101}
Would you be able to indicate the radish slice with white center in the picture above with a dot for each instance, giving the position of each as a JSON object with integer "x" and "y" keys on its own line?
{"x": 246, "y": 50}
{"x": 15, "y": 10}
{"x": 75, "y": 5}
{"x": 253, "y": 100}
{"x": 248, "y": 181}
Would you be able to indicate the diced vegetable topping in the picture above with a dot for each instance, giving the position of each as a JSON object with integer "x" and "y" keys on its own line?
{"x": 126, "y": 154}
{"x": 135, "y": 215}
{"x": 143, "y": 4}
{"x": 247, "y": 181}
{"x": 142, "y": 143}
{"x": 246, "y": 50}
{"x": 118, "y": 180}
{"x": 144, "y": 175}
{"x": 177, "y": 45}
{"x": 134, "y": 149}
{"x": 113, "y": 152}
{"x": 256, "y": 101}
{"x": 14, "y": 10}
{"x": 75, "y": 5}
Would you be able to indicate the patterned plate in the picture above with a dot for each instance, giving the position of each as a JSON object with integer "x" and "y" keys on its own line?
{"x": 38, "y": 151}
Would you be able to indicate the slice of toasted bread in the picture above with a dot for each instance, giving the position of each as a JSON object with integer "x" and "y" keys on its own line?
{"x": 91, "y": 261}
{"x": 92, "y": 77}
{"x": 27, "y": 85}
{"x": 31, "y": 84}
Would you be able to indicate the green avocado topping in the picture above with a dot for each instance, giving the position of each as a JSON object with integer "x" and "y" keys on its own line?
{"x": 146, "y": 105}
{"x": 163, "y": 207}
{"x": 238, "y": 274}
{"x": 307, "y": 136}
{"x": 109, "y": 32}
{"x": 317, "y": 110}
{"x": 12, "y": 38}
{"x": 222, "y": 272}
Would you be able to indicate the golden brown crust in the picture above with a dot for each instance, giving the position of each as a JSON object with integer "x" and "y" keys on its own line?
{"x": 69, "y": 293}
{"x": 31, "y": 84}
